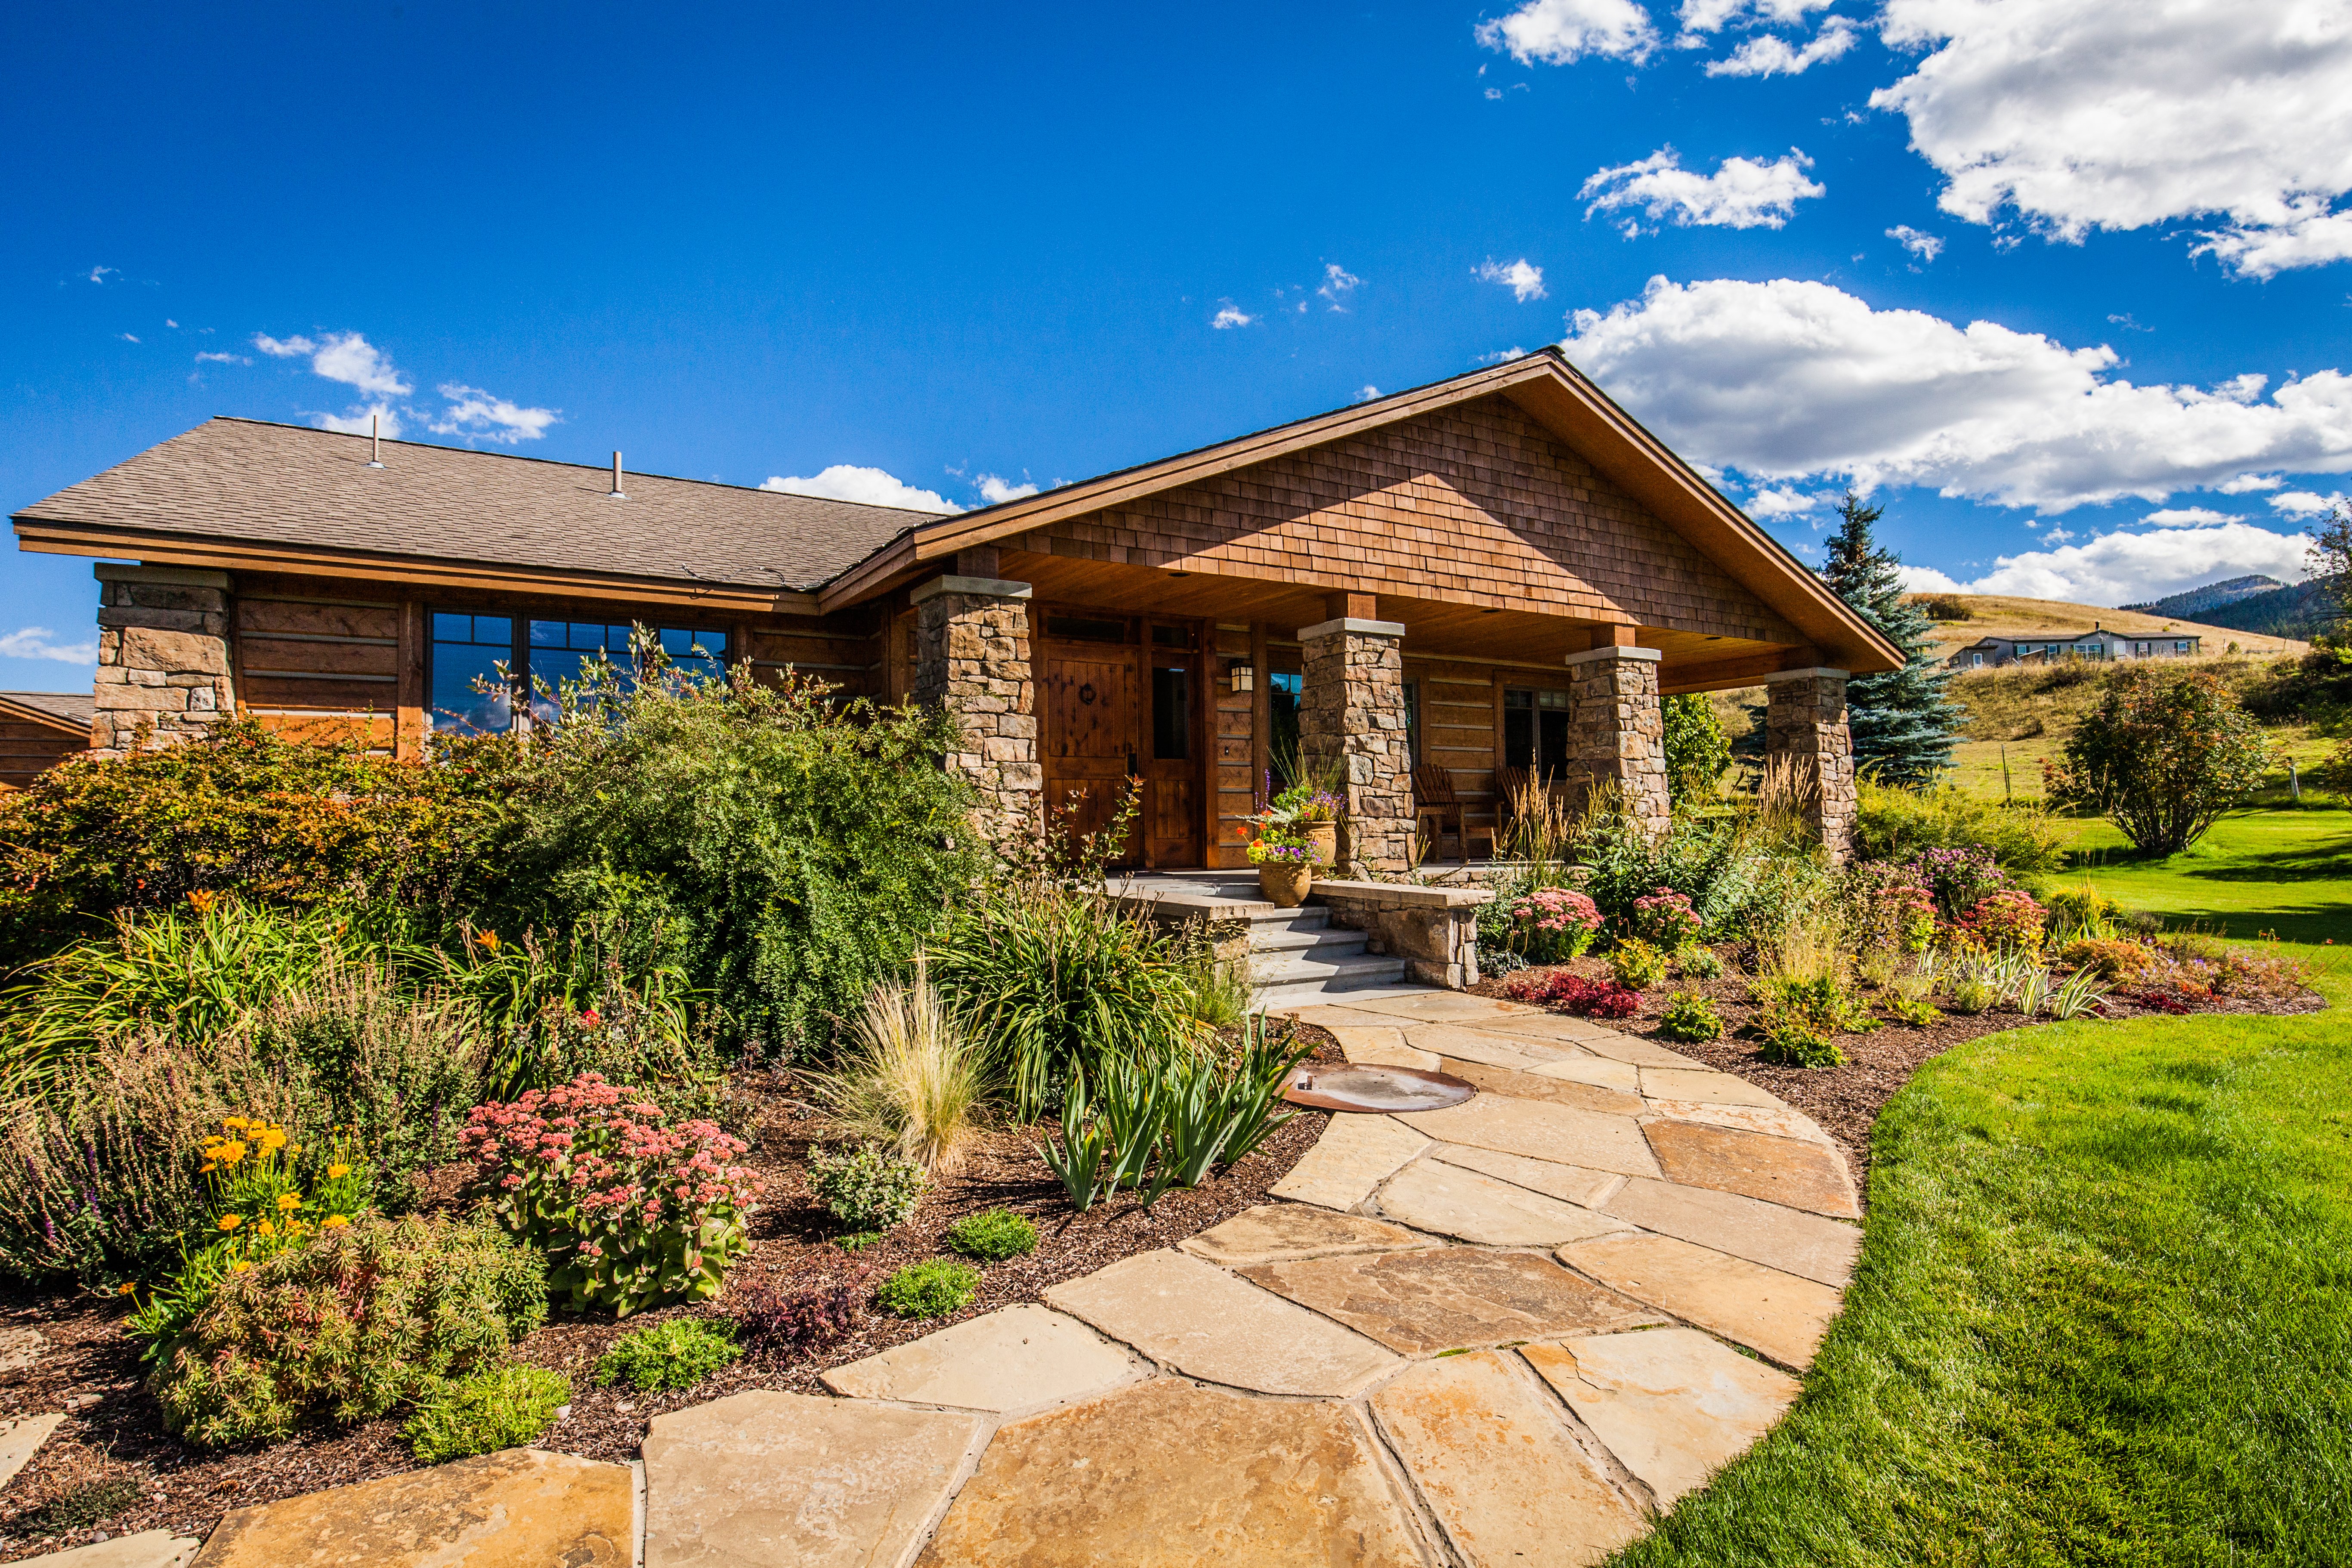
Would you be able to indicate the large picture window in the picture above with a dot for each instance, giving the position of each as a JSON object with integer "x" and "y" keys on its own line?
{"x": 1536, "y": 730}
{"x": 467, "y": 649}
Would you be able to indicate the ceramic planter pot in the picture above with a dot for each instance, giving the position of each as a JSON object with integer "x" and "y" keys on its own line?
{"x": 1323, "y": 837}
{"x": 1285, "y": 884}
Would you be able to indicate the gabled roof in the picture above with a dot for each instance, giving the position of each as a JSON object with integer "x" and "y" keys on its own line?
{"x": 287, "y": 485}
{"x": 1550, "y": 389}
{"x": 70, "y": 712}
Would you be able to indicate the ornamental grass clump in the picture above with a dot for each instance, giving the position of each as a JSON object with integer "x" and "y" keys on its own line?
{"x": 913, "y": 1077}
{"x": 676, "y": 1354}
{"x": 630, "y": 1212}
{"x": 1551, "y": 925}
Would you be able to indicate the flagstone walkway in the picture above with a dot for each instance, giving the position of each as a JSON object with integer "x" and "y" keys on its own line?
{"x": 1512, "y": 1331}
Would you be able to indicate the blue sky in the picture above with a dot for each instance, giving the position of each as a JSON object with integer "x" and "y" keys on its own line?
{"x": 2064, "y": 283}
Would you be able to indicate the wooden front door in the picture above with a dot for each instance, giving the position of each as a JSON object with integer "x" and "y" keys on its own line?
{"x": 1093, "y": 713}
{"x": 1172, "y": 795}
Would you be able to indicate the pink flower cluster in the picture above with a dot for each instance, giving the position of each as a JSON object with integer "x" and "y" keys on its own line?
{"x": 1557, "y": 909}
{"x": 1666, "y": 919}
{"x": 2005, "y": 921}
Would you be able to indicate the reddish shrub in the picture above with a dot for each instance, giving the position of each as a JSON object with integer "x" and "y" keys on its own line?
{"x": 801, "y": 1321}
{"x": 1587, "y": 998}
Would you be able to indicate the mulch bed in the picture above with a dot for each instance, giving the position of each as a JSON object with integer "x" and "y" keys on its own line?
{"x": 113, "y": 1438}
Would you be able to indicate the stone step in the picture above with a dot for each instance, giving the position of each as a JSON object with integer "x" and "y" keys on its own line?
{"x": 1299, "y": 939}
{"x": 1306, "y": 917}
{"x": 1300, "y": 983}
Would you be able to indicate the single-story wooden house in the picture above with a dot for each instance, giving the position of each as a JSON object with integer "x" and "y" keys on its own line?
{"x": 1499, "y": 570}
{"x": 38, "y": 729}
{"x": 2097, "y": 644}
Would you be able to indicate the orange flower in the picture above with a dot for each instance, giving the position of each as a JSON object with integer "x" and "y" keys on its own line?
{"x": 231, "y": 1221}
{"x": 288, "y": 1202}
{"x": 333, "y": 1221}
{"x": 337, "y": 1173}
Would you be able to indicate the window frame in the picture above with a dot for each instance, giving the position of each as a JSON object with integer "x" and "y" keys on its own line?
{"x": 518, "y": 621}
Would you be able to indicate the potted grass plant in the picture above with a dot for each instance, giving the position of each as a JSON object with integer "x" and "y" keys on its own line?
{"x": 1285, "y": 866}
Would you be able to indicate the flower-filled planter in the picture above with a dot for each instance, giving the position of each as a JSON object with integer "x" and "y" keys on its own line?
{"x": 1285, "y": 867}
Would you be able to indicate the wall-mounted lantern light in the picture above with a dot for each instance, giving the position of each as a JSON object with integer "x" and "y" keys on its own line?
{"x": 1244, "y": 675}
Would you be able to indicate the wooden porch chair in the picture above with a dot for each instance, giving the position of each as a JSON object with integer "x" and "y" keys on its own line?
{"x": 1435, "y": 804}
{"x": 1509, "y": 783}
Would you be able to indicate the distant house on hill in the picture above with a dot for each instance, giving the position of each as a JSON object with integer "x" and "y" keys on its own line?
{"x": 2097, "y": 644}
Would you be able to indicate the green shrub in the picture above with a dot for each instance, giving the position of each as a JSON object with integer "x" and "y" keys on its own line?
{"x": 1690, "y": 1017}
{"x": 865, "y": 1188}
{"x": 1819, "y": 1000}
{"x": 2162, "y": 757}
{"x": 1697, "y": 963}
{"x": 1637, "y": 964}
{"x": 678, "y": 1354}
{"x": 785, "y": 850}
{"x": 1791, "y": 1041}
{"x": 1906, "y": 1008}
{"x": 501, "y": 1406}
{"x": 2114, "y": 960}
{"x": 992, "y": 1236}
{"x": 1697, "y": 751}
{"x": 931, "y": 1290}
{"x": 347, "y": 1327}
{"x": 281, "y": 822}
{"x": 1893, "y": 824}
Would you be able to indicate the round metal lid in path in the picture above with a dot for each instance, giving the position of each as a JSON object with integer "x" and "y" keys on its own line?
{"x": 1374, "y": 1089}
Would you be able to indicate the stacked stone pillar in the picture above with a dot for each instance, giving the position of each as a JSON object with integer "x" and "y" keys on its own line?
{"x": 163, "y": 668}
{"x": 1619, "y": 730}
{"x": 1351, "y": 722}
{"x": 972, "y": 659}
{"x": 1804, "y": 723}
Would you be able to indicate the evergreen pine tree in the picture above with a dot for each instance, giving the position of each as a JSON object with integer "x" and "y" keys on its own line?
{"x": 1903, "y": 726}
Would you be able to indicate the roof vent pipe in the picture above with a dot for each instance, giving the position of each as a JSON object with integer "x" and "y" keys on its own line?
{"x": 618, "y": 493}
{"x": 375, "y": 441}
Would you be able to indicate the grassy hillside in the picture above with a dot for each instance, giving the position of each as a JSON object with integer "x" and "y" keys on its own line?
{"x": 1992, "y": 614}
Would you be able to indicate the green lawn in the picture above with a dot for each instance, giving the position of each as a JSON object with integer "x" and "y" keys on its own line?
{"x": 2103, "y": 1311}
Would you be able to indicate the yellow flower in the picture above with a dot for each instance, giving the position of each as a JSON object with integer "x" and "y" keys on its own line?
{"x": 126, "y": 1288}
{"x": 333, "y": 1221}
{"x": 287, "y": 1201}
{"x": 272, "y": 1139}
{"x": 229, "y": 1153}
{"x": 231, "y": 1221}
{"x": 293, "y": 1149}
{"x": 337, "y": 1173}
{"x": 200, "y": 899}
{"x": 239, "y": 1267}
{"x": 237, "y": 1122}
{"x": 263, "y": 1227}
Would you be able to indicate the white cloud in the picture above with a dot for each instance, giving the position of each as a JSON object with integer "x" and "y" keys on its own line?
{"x": 1787, "y": 379}
{"x": 374, "y": 418}
{"x": 2129, "y": 568}
{"x": 1713, "y": 16}
{"x": 1560, "y": 32}
{"x": 347, "y": 357}
{"x": 872, "y": 487}
{"x": 2306, "y": 503}
{"x": 1337, "y": 284}
{"x": 2245, "y": 482}
{"x": 2181, "y": 517}
{"x": 1233, "y": 316}
{"x": 994, "y": 491}
{"x": 100, "y": 274}
{"x": 130, "y": 337}
{"x": 2057, "y": 536}
{"x": 1523, "y": 278}
{"x": 473, "y": 411}
{"x": 1768, "y": 54}
{"x": 39, "y": 642}
{"x": 2083, "y": 114}
{"x": 1503, "y": 356}
{"x": 1926, "y": 246}
{"x": 1786, "y": 502}
{"x": 224, "y": 359}
{"x": 1740, "y": 193}
{"x": 1366, "y": 393}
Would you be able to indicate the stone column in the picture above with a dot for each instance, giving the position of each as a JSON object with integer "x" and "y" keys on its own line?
{"x": 1804, "y": 720}
{"x": 1352, "y": 717}
{"x": 972, "y": 657}
{"x": 1618, "y": 730}
{"x": 163, "y": 657}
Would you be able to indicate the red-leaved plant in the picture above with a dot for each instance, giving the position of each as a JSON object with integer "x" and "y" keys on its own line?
{"x": 1591, "y": 999}
{"x": 631, "y": 1212}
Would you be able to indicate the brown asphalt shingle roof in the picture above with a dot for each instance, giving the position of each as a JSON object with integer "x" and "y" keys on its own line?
{"x": 288, "y": 484}
{"x": 74, "y": 707}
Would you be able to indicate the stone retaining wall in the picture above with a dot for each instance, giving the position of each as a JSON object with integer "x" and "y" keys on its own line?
{"x": 163, "y": 661}
{"x": 1433, "y": 930}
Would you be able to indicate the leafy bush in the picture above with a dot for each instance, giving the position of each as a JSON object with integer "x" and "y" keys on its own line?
{"x": 1820, "y": 1002}
{"x": 798, "y": 1320}
{"x": 1690, "y": 1017}
{"x": 912, "y": 1076}
{"x": 1637, "y": 964}
{"x": 2162, "y": 757}
{"x": 494, "y": 1407}
{"x": 1665, "y": 919}
{"x": 675, "y": 1354}
{"x": 1574, "y": 993}
{"x": 1791, "y": 1041}
{"x": 865, "y": 1188}
{"x": 1738, "y": 877}
{"x": 1957, "y": 880}
{"x": 1904, "y": 1007}
{"x": 1886, "y": 908}
{"x": 281, "y": 822}
{"x": 631, "y": 1211}
{"x": 346, "y": 1327}
{"x": 1697, "y": 751}
{"x": 931, "y": 1290}
{"x": 786, "y": 851}
{"x": 1893, "y": 824}
{"x": 992, "y": 1236}
{"x": 2006, "y": 922}
{"x": 2114, "y": 960}
{"x": 1551, "y": 925}
{"x": 1697, "y": 963}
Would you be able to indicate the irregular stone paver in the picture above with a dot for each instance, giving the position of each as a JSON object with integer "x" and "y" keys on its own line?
{"x": 20, "y": 1347}
{"x": 1570, "y": 1184}
{"x": 1477, "y": 1046}
{"x": 1169, "y": 1474}
{"x": 1553, "y": 1090}
{"x": 1200, "y": 1320}
{"x": 1274, "y": 1233}
{"x": 1355, "y": 1155}
{"x": 19, "y": 1439}
{"x": 1775, "y": 1122}
{"x": 793, "y": 1477}
{"x": 1557, "y": 1028}
{"x": 1379, "y": 1048}
{"x": 1786, "y": 1171}
{"x": 1018, "y": 1358}
{"x": 1431, "y": 1194}
{"x": 1601, "y": 1072}
{"x": 1795, "y": 1243}
{"x": 1706, "y": 1085}
{"x": 1325, "y": 1015}
{"x": 1442, "y": 1007}
{"x": 1545, "y": 1131}
{"x": 1672, "y": 1404}
{"x": 1499, "y": 1467}
{"x": 1628, "y": 1048}
{"x": 1454, "y": 1297}
{"x": 517, "y": 1507}
{"x": 1778, "y": 1314}
{"x": 148, "y": 1549}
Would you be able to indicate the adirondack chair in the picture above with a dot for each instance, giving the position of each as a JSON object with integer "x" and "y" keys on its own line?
{"x": 1434, "y": 805}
